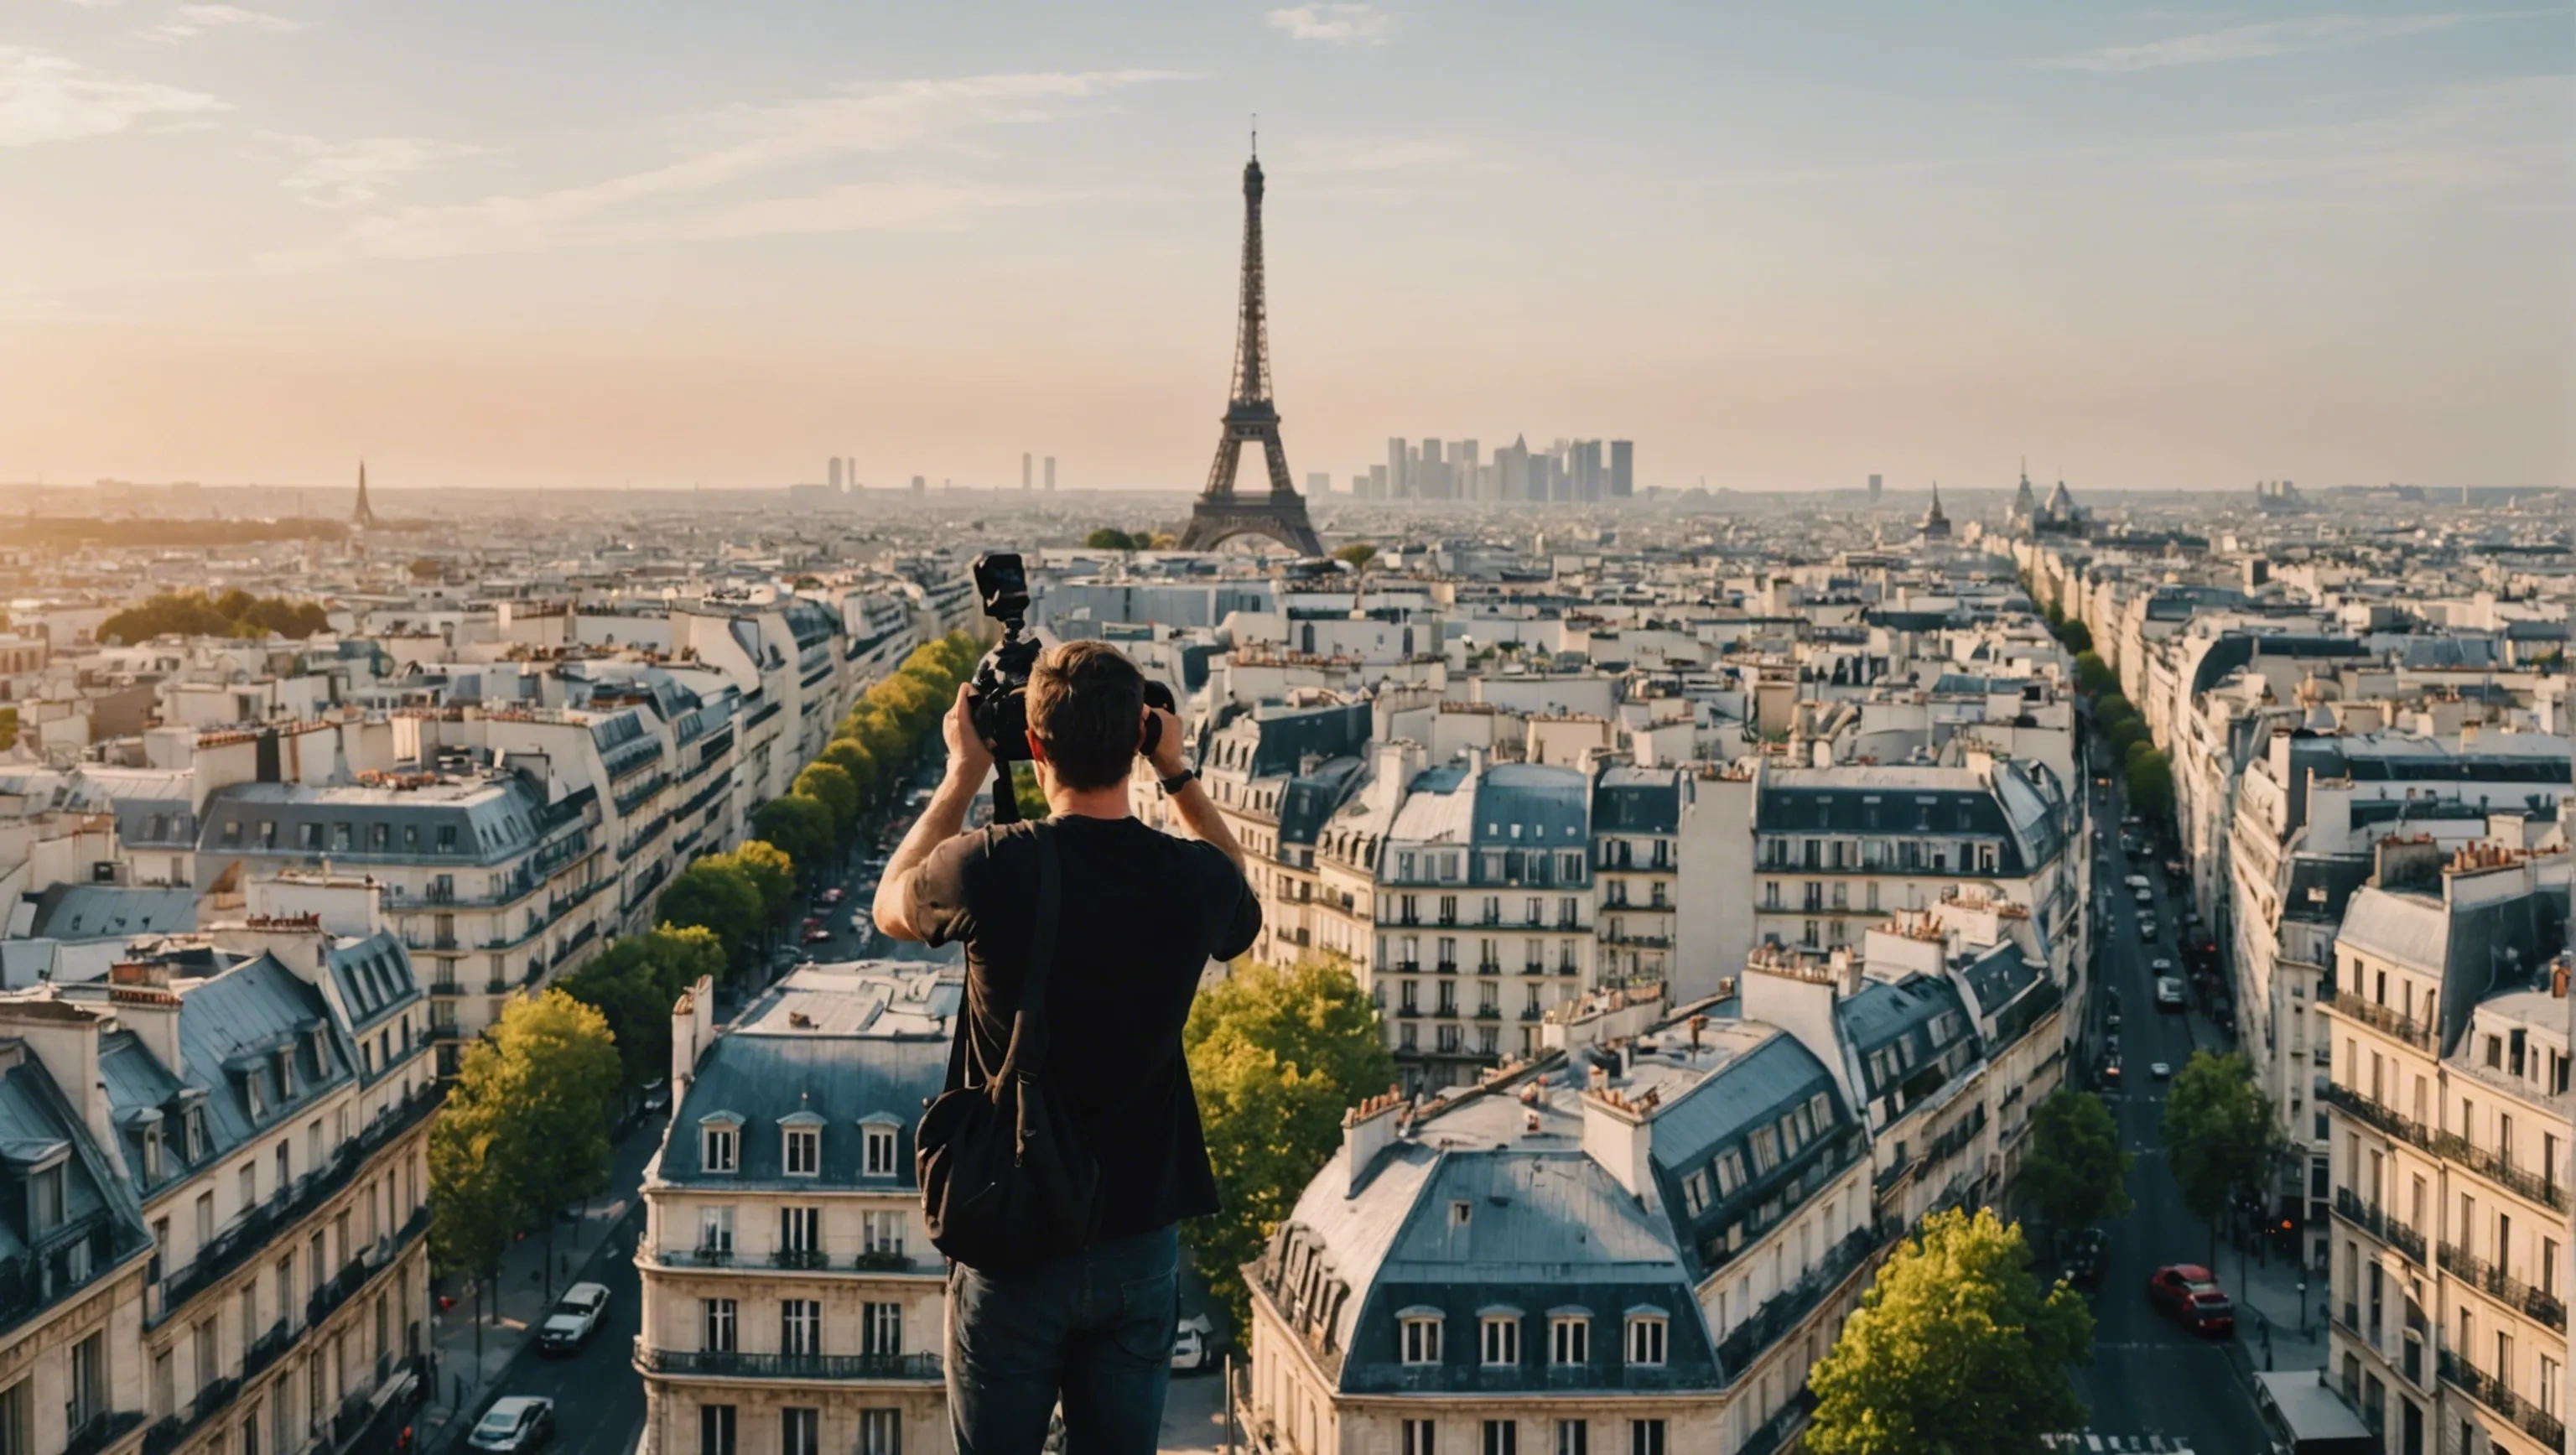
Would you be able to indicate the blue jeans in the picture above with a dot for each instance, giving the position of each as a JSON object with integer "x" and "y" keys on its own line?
{"x": 1096, "y": 1328}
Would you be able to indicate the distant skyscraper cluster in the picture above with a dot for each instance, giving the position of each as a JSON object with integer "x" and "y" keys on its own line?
{"x": 1569, "y": 471}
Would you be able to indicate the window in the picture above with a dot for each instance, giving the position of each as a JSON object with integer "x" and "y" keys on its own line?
{"x": 804, "y": 1151}
{"x": 715, "y": 1231}
{"x": 800, "y": 1431}
{"x": 1695, "y": 1192}
{"x": 45, "y": 1200}
{"x": 1421, "y": 1437}
{"x": 152, "y": 1152}
{"x": 15, "y": 1432}
{"x": 800, "y": 1229}
{"x": 880, "y": 1432}
{"x": 194, "y": 1122}
{"x": 883, "y": 1231}
{"x": 1502, "y": 1437}
{"x": 1573, "y": 1437}
{"x": 1499, "y": 1338}
{"x": 1646, "y": 1339}
{"x": 719, "y": 1149}
{"x": 716, "y": 1325}
{"x": 1645, "y": 1437}
{"x": 249, "y": 1186}
{"x": 87, "y": 1399}
{"x": 1419, "y": 1340}
{"x": 879, "y": 1152}
{"x": 1766, "y": 1150}
{"x": 800, "y": 1326}
{"x": 1569, "y": 1339}
{"x": 205, "y": 1219}
{"x": 1730, "y": 1172}
{"x": 715, "y": 1429}
{"x": 882, "y": 1326}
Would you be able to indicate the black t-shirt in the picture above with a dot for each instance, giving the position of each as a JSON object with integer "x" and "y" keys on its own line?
{"x": 1143, "y": 912}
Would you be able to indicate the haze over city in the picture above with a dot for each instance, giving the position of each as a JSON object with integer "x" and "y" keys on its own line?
{"x": 503, "y": 246}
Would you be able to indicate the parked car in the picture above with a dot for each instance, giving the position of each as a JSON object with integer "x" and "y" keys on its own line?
{"x": 2147, "y": 928}
{"x": 575, "y": 1319}
{"x": 2168, "y": 993}
{"x": 2160, "y": 967}
{"x": 520, "y": 1422}
{"x": 2138, "y": 882}
{"x": 2189, "y": 1294}
{"x": 2160, "y": 1070}
{"x": 2146, "y": 896}
{"x": 1190, "y": 1351}
{"x": 2111, "y": 1071}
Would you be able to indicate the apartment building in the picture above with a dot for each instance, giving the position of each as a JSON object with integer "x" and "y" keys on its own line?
{"x": 257, "y": 1104}
{"x": 2309, "y": 812}
{"x": 1839, "y": 848}
{"x": 1638, "y": 1248}
{"x": 2448, "y": 1128}
{"x": 790, "y": 1301}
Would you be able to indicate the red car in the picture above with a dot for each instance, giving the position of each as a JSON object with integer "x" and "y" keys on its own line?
{"x": 2189, "y": 1294}
{"x": 834, "y": 895}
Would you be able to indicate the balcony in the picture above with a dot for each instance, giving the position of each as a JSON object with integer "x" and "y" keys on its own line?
{"x": 922, "y": 1367}
{"x": 1489, "y": 1012}
{"x": 1639, "y": 942}
{"x": 1446, "y": 967}
{"x": 2503, "y": 1287}
{"x": 2448, "y": 1146}
{"x": 2376, "y": 1016}
{"x": 1775, "y": 1432}
{"x": 2491, "y": 1392}
{"x": 805, "y": 1260}
{"x": 1740, "y": 1350}
{"x": 98, "y": 1431}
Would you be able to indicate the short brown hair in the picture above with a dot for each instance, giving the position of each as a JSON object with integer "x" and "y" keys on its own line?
{"x": 1086, "y": 701}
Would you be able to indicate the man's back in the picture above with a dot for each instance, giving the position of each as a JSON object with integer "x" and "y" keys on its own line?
{"x": 1142, "y": 913}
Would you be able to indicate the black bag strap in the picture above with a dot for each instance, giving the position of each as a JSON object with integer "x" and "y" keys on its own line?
{"x": 1029, "y": 1032}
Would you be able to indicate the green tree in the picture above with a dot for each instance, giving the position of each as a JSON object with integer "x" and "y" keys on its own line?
{"x": 2075, "y": 636}
{"x": 827, "y": 785}
{"x": 801, "y": 826}
{"x": 2075, "y": 1173}
{"x": 2093, "y": 674}
{"x": 2151, "y": 787}
{"x": 632, "y": 985}
{"x": 472, "y": 1218}
{"x": 852, "y": 757}
{"x": 1276, "y": 1057}
{"x": 1110, "y": 538}
{"x": 716, "y": 897}
{"x": 2222, "y": 1142}
{"x": 1955, "y": 1350}
{"x": 1026, "y": 793}
{"x": 771, "y": 871}
{"x": 2111, "y": 707}
{"x": 557, "y": 1067}
{"x": 1358, "y": 554}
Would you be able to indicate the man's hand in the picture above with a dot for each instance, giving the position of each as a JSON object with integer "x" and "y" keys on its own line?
{"x": 1169, "y": 752}
{"x": 968, "y": 754}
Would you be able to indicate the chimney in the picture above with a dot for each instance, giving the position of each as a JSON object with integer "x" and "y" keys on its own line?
{"x": 1367, "y": 1130}
{"x": 63, "y": 1038}
{"x": 146, "y": 1005}
{"x": 1616, "y": 1135}
{"x": 692, "y": 1026}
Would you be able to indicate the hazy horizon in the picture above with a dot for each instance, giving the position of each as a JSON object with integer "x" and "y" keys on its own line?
{"x": 509, "y": 247}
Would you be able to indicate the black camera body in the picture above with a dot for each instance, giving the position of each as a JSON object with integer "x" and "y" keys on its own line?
{"x": 997, "y": 700}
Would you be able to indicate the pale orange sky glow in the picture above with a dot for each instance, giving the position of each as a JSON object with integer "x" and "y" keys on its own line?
{"x": 497, "y": 250}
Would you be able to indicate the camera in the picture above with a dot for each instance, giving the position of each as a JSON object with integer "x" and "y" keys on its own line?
{"x": 997, "y": 700}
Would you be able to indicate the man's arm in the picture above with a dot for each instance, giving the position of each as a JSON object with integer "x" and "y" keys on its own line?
{"x": 1197, "y": 810}
{"x": 970, "y": 767}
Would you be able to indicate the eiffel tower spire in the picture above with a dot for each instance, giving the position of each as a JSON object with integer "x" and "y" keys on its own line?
{"x": 365, "y": 513}
{"x": 1251, "y": 418}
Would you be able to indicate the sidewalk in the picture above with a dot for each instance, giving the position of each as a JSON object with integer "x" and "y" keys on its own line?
{"x": 463, "y": 1383}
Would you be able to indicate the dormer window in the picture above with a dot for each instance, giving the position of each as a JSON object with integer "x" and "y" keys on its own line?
{"x": 195, "y": 1125}
{"x": 45, "y": 1200}
{"x": 1569, "y": 1337}
{"x": 1498, "y": 1337}
{"x": 802, "y": 1155}
{"x": 1646, "y": 1331}
{"x": 286, "y": 1075}
{"x": 720, "y": 1145}
{"x": 152, "y": 1152}
{"x": 251, "y": 1093}
{"x": 1418, "y": 1336}
{"x": 877, "y": 1154}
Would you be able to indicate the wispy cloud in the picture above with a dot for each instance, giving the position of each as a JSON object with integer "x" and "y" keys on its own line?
{"x": 46, "y": 97}
{"x": 1356, "y": 24}
{"x": 2272, "y": 38}
{"x": 352, "y": 173}
{"x": 2502, "y": 141}
{"x": 196, "y": 19}
{"x": 736, "y": 146}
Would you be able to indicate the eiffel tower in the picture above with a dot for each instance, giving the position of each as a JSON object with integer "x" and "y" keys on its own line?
{"x": 366, "y": 514}
{"x": 1250, "y": 417}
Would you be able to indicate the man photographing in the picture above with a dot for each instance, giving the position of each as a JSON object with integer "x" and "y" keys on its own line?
{"x": 1140, "y": 914}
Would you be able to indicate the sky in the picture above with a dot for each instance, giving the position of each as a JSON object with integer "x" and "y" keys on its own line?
{"x": 585, "y": 243}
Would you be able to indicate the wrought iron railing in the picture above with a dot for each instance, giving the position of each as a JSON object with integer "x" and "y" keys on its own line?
{"x": 920, "y": 1366}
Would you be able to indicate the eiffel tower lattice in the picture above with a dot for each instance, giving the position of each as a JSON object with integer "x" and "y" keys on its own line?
{"x": 1222, "y": 513}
